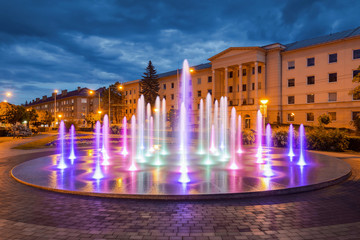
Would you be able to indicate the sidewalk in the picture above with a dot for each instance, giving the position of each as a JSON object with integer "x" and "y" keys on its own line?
{"x": 10, "y": 142}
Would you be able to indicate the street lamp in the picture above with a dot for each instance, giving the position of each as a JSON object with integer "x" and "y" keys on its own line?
{"x": 60, "y": 116}
{"x": 91, "y": 92}
{"x": 56, "y": 92}
{"x": 263, "y": 110}
{"x": 191, "y": 70}
{"x": 120, "y": 87}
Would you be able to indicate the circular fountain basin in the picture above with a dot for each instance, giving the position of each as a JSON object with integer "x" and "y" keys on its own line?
{"x": 279, "y": 175}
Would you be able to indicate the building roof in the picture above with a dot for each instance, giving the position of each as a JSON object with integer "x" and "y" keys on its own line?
{"x": 80, "y": 92}
{"x": 174, "y": 72}
{"x": 323, "y": 39}
{"x": 234, "y": 48}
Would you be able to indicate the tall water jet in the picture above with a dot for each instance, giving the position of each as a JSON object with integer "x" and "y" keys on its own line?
{"x": 233, "y": 164}
{"x": 216, "y": 126}
{"x": 163, "y": 127}
{"x": 221, "y": 125}
{"x": 268, "y": 171}
{"x": 61, "y": 164}
{"x": 208, "y": 128}
{"x": 140, "y": 128}
{"x": 149, "y": 130}
{"x": 225, "y": 106}
{"x": 291, "y": 141}
{"x": 124, "y": 150}
{"x": 72, "y": 156}
{"x": 213, "y": 142}
{"x": 239, "y": 135}
{"x": 133, "y": 144}
{"x": 301, "y": 161}
{"x": 259, "y": 137}
{"x": 184, "y": 178}
{"x": 201, "y": 127}
{"x": 98, "y": 174}
{"x": 151, "y": 140}
{"x": 157, "y": 130}
{"x": 105, "y": 147}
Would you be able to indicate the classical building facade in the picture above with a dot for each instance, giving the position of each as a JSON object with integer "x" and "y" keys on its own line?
{"x": 301, "y": 80}
{"x": 70, "y": 105}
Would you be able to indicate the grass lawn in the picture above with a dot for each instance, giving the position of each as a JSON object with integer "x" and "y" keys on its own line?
{"x": 36, "y": 144}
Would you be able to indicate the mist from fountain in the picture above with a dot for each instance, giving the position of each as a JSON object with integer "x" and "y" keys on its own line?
{"x": 105, "y": 135}
{"x": 291, "y": 141}
{"x": 267, "y": 169}
{"x": 98, "y": 173}
{"x": 233, "y": 164}
{"x": 124, "y": 148}
{"x": 201, "y": 128}
{"x": 61, "y": 164}
{"x": 72, "y": 156}
{"x": 133, "y": 144}
{"x": 259, "y": 129}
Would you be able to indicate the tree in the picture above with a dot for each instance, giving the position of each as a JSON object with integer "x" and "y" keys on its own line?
{"x": 45, "y": 118}
{"x": 324, "y": 119}
{"x": 356, "y": 91}
{"x": 356, "y": 123}
{"x": 92, "y": 118}
{"x": 173, "y": 117}
{"x": 150, "y": 85}
{"x": 116, "y": 98}
{"x": 15, "y": 114}
{"x": 31, "y": 116}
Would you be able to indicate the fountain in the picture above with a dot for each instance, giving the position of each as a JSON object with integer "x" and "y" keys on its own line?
{"x": 151, "y": 163}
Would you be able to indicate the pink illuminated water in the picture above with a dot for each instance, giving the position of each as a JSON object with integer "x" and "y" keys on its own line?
{"x": 124, "y": 148}
{"x": 72, "y": 156}
{"x": 61, "y": 164}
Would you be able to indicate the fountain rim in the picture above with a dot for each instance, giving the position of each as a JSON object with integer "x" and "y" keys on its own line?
{"x": 201, "y": 196}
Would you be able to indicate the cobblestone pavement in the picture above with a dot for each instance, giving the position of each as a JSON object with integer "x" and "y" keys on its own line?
{"x": 29, "y": 213}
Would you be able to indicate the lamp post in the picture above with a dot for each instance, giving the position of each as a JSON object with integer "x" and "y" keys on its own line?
{"x": 263, "y": 109}
{"x": 120, "y": 87}
{"x": 55, "y": 91}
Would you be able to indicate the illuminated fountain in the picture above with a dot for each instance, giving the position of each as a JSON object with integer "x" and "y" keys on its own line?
{"x": 205, "y": 154}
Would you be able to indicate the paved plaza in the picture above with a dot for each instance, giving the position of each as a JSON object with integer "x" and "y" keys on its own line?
{"x": 29, "y": 213}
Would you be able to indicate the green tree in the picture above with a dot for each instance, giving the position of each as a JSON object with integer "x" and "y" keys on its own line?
{"x": 31, "y": 116}
{"x": 149, "y": 84}
{"x": 356, "y": 91}
{"x": 15, "y": 114}
{"x": 324, "y": 119}
{"x": 116, "y": 98}
{"x": 45, "y": 118}
{"x": 356, "y": 123}
{"x": 173, "y": 117}
{"x": 92, "y": 118}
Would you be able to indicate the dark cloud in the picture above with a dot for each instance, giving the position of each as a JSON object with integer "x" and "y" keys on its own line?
{"x": 64, "y": 44}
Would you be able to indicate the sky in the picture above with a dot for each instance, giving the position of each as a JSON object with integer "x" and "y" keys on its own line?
{"x": 47, "y": 45}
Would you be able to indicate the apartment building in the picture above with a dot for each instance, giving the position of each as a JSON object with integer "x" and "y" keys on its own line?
{"x": 70, "y": 105}
{"x": 301, "y": 80}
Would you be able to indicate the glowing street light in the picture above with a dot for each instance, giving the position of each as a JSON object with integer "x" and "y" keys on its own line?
{"x": 8, "y": 94}
{"x": 263, "y": 109}
{"x": 191, "y": 70}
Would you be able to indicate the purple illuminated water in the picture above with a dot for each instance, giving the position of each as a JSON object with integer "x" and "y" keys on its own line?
{"x": 72, "y": 156}
{"x": 124, "y": 145}
{"x": 301, "y": 161}
{"x": 61, "y": 164}
{"x": 291, "y": 141}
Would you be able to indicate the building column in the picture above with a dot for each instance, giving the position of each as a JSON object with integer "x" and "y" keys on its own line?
{"x": 240, "y": 85}
{"x": 256, "y": 85}
{"x": 213, "y": 84}
{"x": 226, "y": 81}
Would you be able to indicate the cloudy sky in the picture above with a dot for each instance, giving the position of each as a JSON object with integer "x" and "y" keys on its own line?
{"x": 46, "y": 45}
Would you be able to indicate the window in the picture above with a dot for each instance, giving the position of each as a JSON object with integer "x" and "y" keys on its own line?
{"x": 126, "y": 93}
{"x": 252, "y": 70}
{"x": 130, "y": 94}
{"x": 83, "y": 100}
{"x": 332, "y": 116}
{"x": 210, "y": 91}
{"x": 130, "y": 101}
{"x": 172, "y": 96}
{"x": 244, "y": 87}
{"x": 209, "y": 78}
{"x": 230, "y": 89}
{"x": 291, "y": 65}
{"x": 199, "y": 93}
{"x": 126, "y": 111}
{"x": 259, "y": 85}
{"x": 231, "y": 103}
{"x": 244, "y": 72}
{"x": 310, "y": 98}
{"x": 333, "y": 58}
{"x": 332, "y": 97}
{"x": 172, "y": 85}
{"x": 291, "y": 99}
{"x": 310, "y": 80}
{"x": 291, "y": 82}
{"x": 356, "y": 54}
{"x": 126, "y": 101}
{"x": 130, "y": 110}
{"x": 310, "y": 62}
{"x": 310, "y": 117}
{"x": 72, "y": 100}
{"x": 332, "y": 77}
{"x": 164, "y": 86}
{"x": 356, "y": 72}
{"x": 199, "y": 107}
{"x": 231, "y": 74}
{"x": 355, "y": 115}
{"x": 253, "y": 86}
{"x": 291, "y": 117}
{"x": 134, "y": 100}
{"x": 259, "y": 69}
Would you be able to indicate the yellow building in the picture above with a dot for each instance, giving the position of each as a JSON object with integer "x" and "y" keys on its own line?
{"x": 302, "y": 80}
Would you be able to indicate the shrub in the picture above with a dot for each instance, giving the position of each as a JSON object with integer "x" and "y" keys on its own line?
{"x": 280, "y": 136}
{"x": 324, "y": 119}
{"x": 356, "y": 124}
{"x": 248, "y": 137}
{"x": 326, "y": 140}
{"x": 115, "y": 129}
{"x": 354, "y": 143}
